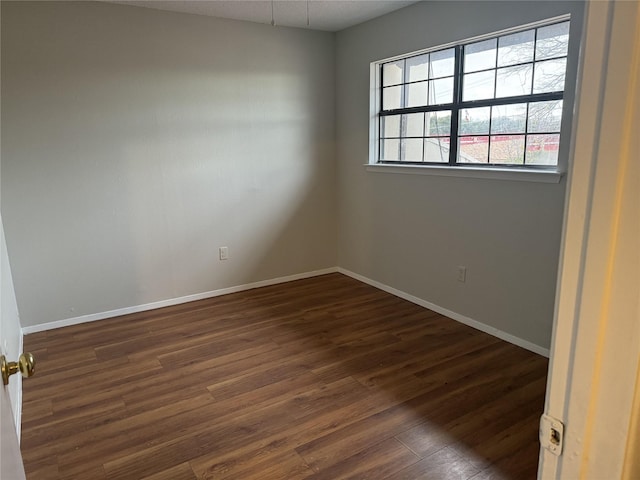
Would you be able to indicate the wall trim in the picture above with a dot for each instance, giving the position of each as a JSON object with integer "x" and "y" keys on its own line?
{"x": 483, "y": 327}
{"x": 172, "y": 301}
{"x": 507, "y": 337}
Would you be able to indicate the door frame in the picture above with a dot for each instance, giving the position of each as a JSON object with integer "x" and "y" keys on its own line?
{"x": 595, "y": 352}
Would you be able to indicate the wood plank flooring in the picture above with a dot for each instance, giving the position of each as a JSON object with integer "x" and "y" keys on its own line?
{"x": 324, "y": 378}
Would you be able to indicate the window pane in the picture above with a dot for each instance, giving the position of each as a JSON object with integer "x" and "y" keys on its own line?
{"x": 391, "y": 98}
{"x": 390, "y": 126}
{"x": 474, "y": 120}
{"x": 417, "y": 68}
{"x": 549, "y": 76}
{"x": 513, "y": 81}
{"x": 509, "y": 118}
{"x": 542, "y": 149}
{"x": 553, "y": 41}
{"x": 441, "y": 91}
{"x": 478, "y": 86}
{"x": 392, "y": 73}
{"x": 516, "y": 48}
{"x": 442, "y": 63}
{"x": 437, "y": 124}
{"x": 473, "y": 150}
{"x": 416, "y": 94}
{"x": 412, "y": 149}
{"x": 480, "y": 56}
{"x": 390, "y": 149}
{"x": 515, "y": 67}
{"x": 507, "y": 149}
{"x": 545, "y": 117}
{"x": 436, "y": 150}
{"x": 413, "y": 125}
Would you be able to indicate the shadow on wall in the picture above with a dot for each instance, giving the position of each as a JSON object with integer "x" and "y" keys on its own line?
{"x": 137, "y": 142}
{"x": 261, "y": 185}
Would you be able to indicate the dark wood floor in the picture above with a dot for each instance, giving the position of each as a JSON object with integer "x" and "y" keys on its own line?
{"x": 324, "y": 378}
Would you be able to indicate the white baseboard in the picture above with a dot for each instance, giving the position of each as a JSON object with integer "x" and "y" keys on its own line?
{"x": 274, "y": 281}
{"x": 172, "y": 301}
{"x": 507, "y": 337}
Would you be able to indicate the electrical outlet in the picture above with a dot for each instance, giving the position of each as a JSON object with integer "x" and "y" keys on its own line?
{"x": 224, "y": 253}
{"x": 462, "y": 274}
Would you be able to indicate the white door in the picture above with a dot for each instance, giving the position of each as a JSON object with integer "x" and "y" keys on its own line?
{"x": 11, "y": 467}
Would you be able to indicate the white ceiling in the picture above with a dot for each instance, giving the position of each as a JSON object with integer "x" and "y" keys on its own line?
{"x": 328, "y": 15}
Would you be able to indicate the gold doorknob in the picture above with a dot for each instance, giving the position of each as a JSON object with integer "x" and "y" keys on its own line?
{"x": 26, "y": 365}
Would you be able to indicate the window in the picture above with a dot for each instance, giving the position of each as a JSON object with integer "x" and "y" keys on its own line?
{"x": 496, "y": 102}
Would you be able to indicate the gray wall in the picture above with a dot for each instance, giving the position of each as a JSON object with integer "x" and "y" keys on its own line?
{"x": 411, "y": 232}
{"x": 135, "y": 142}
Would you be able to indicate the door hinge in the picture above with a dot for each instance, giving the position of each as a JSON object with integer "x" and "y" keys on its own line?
{"x": 551, "y": 434}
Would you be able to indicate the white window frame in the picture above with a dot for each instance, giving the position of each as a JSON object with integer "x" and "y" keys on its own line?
{"x": 550, "y": 175}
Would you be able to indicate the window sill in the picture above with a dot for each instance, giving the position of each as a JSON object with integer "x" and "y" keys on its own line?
{"x": 539, "y": 176}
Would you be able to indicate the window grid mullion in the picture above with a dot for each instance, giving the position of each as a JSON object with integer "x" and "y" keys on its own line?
{"x": 533, "y": 98}
{"x": 455, "y": 110}
{"x": 381, "y": 99}
{"x": 424, "y": 130}
{"x": 457, "y": 105}
{"x": 495, "y": 91}
{"x": 526, "y": 130}
{"x": 425, "y": 108}
{"x": 489, "y": 136}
